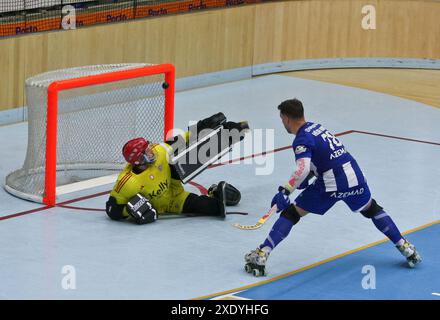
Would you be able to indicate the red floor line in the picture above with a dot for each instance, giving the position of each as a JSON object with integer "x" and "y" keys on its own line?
{"x": 266, "y": 152}
{"x": 251, "y": 156}
{"x": 83, "y": 198}
{"x": 81, "y": 208}
{"x": 201, "y": 188}
{"x": 344, "y": 133}
{"x": 395, "y": 137}
{"x": 15, "y": 215}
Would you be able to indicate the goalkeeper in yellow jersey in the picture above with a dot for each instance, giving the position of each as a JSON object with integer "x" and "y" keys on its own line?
{"x": 149, "y": 186}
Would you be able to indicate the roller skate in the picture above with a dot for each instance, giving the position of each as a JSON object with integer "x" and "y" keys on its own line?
{"x": 256, "y": 261}
{"x": 410, "y": 253}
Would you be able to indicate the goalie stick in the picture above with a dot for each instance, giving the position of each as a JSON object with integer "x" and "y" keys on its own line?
{"x": 259, "y": 223}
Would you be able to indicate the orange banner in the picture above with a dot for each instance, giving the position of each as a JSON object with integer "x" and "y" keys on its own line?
{"x": 101, "y": 14}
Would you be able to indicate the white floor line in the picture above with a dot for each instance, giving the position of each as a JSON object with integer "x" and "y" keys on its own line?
{"x": 230, "y": 296}
{"x": 86, "y": 184}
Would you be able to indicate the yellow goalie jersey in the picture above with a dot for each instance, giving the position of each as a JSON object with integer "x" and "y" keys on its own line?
{"x": 155, "y": 183}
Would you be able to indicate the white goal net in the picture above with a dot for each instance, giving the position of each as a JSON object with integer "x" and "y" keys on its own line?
{"x": 92, "y": 122}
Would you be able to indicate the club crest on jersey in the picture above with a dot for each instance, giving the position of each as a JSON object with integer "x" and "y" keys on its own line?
{"x": 300, "y": 149}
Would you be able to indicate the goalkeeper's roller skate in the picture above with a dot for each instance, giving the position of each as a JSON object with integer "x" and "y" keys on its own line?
{"x": 410, "y": 253}
{"x": 256, "y": 261}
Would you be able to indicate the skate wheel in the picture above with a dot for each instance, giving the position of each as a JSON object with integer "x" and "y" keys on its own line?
{"x": 248, "y": 268}
{"x": 256, "y": 272}
{"x": 413, "y": 260}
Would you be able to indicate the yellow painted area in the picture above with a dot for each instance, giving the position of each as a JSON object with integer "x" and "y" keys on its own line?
{"x": 414, "y": 84}
{"x": 309, "y": 266}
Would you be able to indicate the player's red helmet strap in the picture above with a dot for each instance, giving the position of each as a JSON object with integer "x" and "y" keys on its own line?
{"x": 134, "y": 149}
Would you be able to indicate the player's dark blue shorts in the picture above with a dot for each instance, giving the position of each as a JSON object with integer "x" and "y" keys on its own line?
{"x": 314, "y": 199}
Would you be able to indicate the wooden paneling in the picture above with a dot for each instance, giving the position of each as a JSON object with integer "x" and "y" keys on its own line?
{"x": 11, "y": 73}
{"x": 294, "y": 30}
{"x": 418, "y": 85}
{"x": 216, "y": 40}
{"x": 195, "y": 43}
{"x": 220, "y": 40}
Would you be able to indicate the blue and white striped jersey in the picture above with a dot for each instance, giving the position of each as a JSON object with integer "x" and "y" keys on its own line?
{"x": 335, "y": 168}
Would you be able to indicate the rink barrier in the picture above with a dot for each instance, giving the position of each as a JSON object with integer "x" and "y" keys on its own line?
{"x": 214, "y": 78}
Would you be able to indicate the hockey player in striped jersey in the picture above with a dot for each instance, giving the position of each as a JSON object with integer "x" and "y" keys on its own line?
{"x": 338, "y": 178}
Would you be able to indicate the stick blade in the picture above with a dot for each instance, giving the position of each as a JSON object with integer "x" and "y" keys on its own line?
{"x": 260, "y": 222}
{"x": 248, "y": 227}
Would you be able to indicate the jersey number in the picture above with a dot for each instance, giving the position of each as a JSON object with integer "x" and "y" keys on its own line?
{"x": 331, "y": 139}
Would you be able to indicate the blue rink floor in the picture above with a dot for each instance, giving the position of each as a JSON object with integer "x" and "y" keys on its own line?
{"x": 343, "y": 278}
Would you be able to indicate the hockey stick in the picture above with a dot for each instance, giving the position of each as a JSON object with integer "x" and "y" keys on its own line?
{"x": 259, "y": 223}
{"x": 237, "y": 212}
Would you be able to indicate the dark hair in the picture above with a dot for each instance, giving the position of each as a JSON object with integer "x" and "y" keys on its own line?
{"x": 292, "y": 108}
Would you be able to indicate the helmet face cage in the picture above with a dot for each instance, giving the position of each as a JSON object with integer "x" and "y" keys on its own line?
{"x": 147, "y": 157}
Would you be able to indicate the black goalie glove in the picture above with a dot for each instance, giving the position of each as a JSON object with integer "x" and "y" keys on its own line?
{"x": 141, "y": 210}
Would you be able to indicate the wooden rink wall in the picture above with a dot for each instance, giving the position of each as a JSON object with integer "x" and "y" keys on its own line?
{"x": 222, "y": 39}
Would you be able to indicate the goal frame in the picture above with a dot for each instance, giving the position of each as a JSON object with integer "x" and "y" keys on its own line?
{"x": 49, "y": 197}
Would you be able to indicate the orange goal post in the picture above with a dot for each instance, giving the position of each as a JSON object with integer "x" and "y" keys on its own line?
{"x": 79, "y": 119}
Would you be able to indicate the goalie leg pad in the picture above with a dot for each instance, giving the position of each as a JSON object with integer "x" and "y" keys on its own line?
{"x": 233, "y": 195}
{"x": 372, "y": 210}
{"x": 196, "y": 205}
{"x": 141, "y": 210}
{"x": 199, "y": 155}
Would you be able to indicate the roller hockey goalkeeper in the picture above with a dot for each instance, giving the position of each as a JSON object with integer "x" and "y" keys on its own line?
{"x": 151, "y": 185}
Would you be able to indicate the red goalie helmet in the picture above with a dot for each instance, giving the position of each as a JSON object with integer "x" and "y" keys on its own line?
{"x": 135, "y": 152}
